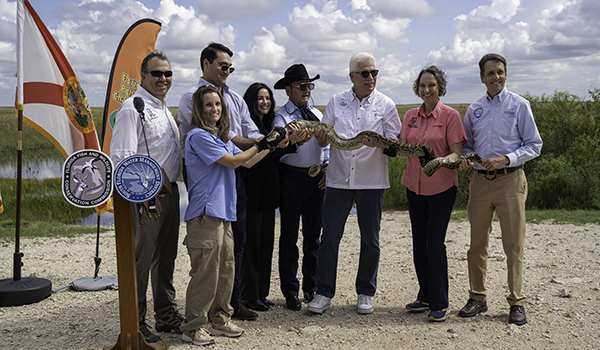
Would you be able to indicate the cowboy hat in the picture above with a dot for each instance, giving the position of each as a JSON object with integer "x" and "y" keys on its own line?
{"x": 294, "y": 73}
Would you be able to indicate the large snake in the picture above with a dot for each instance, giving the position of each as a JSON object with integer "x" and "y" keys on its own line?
{"x": 429, "y": 163}
{"x": 404, "y": 150}
{"x": 451, "y": 163}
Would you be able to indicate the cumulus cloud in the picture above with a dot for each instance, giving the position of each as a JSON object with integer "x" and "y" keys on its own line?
{"x": 397, "y": 8}
{"x": 234, "y": 9}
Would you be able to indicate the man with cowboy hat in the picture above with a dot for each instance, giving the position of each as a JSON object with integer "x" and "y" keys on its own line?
{"x": 301, "y": 194}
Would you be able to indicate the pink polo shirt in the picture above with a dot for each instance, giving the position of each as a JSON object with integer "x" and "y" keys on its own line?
{"x": 438, "y": 130}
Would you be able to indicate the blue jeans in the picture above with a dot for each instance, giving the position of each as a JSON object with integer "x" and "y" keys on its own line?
{"x": 336, "y": 207}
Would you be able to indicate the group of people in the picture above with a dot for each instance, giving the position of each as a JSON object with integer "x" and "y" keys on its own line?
{"x": 240, "y": 164}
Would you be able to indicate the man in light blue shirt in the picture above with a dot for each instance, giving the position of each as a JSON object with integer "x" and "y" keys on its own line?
{"x": 501, "y": 129}
{"x": 301, "y": 194}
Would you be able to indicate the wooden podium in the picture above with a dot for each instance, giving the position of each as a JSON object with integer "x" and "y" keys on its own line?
{"x": 130, "y": 337}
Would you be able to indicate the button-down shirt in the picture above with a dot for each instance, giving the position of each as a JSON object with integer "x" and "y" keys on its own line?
{"x": 366, "y": 167}
{"x": 160, "y": 129}
{"x": 308, "y": 154}
{"x": 502, "y": 126}
{"x": 438, "y": 130}
{"x": 211, "y": 186}
{"x": 237, "y": 110}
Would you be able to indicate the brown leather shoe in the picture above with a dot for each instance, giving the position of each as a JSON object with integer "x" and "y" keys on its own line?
{"x": 241, "y": 312}
{"x": 472, "y": 308}
{"x": 517, "y": 315}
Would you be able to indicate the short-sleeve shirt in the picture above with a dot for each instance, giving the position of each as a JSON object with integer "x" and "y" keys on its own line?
{"x": 438, "y": 130}
{"x": 211, "y": 186}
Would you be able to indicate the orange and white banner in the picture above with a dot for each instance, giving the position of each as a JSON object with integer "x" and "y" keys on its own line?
{"x": 125, "y": 77}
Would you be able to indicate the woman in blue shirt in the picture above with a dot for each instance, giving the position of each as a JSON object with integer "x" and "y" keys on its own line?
{"x": 210, "y": 159}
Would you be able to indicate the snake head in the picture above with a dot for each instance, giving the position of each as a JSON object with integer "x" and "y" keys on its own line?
{"x": 428, "y": 155}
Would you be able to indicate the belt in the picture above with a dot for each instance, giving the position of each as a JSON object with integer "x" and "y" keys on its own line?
{"x": 491, "y": 174}
{"x": 294, "y": 168}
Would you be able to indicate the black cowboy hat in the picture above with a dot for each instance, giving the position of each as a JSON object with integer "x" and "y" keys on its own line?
{"x": 296, "y": 72}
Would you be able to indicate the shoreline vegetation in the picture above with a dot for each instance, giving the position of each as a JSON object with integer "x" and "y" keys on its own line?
{"x": 560, "y": 189}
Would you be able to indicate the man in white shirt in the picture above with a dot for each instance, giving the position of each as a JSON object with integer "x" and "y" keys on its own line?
{"x": 156, "y": 233}
{"x": 355, "y": 176}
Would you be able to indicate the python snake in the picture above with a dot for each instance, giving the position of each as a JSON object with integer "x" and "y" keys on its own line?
{"x": 451, "y": 163}
{"x": 404, "y": 150}
{"x": 424, "y": 152}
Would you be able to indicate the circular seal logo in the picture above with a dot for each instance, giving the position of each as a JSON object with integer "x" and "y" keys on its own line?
{"x": 478, "y": 112}
{"x": 77, "y": 106}
{"x": 138, "y": 178}
{"x": 87, "y": 178}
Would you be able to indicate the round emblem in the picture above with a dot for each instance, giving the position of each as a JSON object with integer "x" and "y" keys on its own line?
{"x": 87, "y": 178}
{"x": 77, "y": 106}
{"x": 478, "y": 112}
{"x": 138, "y": 178}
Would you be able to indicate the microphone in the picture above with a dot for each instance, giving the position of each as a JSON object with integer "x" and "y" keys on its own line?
{"x": 138, "y": 103}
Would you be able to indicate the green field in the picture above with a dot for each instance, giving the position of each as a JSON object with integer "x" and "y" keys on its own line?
{"x": 44, "y": 211}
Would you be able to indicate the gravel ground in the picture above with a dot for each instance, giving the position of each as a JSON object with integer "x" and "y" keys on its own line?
{"x": 561, "y": 280}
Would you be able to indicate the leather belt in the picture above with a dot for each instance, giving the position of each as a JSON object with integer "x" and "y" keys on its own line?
{"x": 492, "y": 174}
{"x": 294, "y": 168}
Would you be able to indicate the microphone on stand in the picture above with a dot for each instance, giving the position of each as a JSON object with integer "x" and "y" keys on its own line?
{"x": 138, "y": 103}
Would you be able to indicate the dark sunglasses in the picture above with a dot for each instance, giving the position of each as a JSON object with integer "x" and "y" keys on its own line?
{"x": 159, "y": 73}
{"x": 365, "y": 73}
{"x": 304, "y": 86}
{"x": 226, "y": 68}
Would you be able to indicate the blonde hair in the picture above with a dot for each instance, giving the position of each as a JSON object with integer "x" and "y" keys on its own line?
{"x": 221, "y": 130}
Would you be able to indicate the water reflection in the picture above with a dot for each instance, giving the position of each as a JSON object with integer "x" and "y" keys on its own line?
{"x": 33, "y": 169}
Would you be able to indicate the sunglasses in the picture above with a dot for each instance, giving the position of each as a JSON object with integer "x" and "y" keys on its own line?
{"x": 365, "y": 73}
{"x": 304, "y": 86}
{"x": 159, "y": 73}
{"x": 226, "y": 68}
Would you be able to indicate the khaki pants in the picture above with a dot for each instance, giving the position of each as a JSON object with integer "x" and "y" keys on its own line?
{"x": 506, "y": 196}
{"x": 209, "y": 242}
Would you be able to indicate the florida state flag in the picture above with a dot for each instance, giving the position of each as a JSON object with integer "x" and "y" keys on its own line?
{"x": 48, "y": 91}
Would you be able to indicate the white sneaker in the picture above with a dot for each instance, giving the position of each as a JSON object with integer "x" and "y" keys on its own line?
{"x": 228, "y": 329}
{"x": 319, "y": 304}
{"x": 198, "y": 337}
{"x": 364, "y": 304}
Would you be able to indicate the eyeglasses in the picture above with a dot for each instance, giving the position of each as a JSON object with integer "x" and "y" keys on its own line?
{"x": 365, "y": 73}
{"x": 226, "y": 68}
{"x": 159, "y": 73}
{"x": 304, "y": 86}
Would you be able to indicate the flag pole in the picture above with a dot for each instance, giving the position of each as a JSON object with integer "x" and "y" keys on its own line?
{"x": 18, "y": 290}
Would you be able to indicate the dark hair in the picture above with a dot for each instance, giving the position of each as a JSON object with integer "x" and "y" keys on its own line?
{"x": 156, "y": 53}
{"x": 440, "y": 77}
{"x": 210, "y": 53}
{"x": 251, "y": 98}
{"x": 198, "y": 116}
{"x": 491, "y": 57}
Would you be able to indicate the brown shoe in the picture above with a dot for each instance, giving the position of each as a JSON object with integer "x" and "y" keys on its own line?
{"x": 472, "y": 308}
{"x": 517, "y": 315}
{"x": 241, "y": 312}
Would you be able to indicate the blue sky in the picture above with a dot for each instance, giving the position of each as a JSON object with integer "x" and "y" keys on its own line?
{"x": 549, "y": 44}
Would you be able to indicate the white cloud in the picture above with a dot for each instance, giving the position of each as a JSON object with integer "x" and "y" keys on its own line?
{"x": 398, "y": 8}
{"x": 233, "y": 9}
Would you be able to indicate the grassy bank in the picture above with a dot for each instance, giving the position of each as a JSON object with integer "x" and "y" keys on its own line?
{"x": 44, "y": 211}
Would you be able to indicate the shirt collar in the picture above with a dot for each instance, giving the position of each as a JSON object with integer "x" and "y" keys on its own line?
{"x": 501, "y": 96}
{"x": 203, "y": 81}
{"x": 368, "y": 99}
{"x": 148, "y": 96}
{"x": 436, "y": 110}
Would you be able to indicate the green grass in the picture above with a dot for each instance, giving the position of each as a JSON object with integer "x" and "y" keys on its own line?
{"x": 45, "y": 212}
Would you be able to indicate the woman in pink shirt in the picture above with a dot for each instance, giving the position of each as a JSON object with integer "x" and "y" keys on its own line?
{"x": 431, "y": 199}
